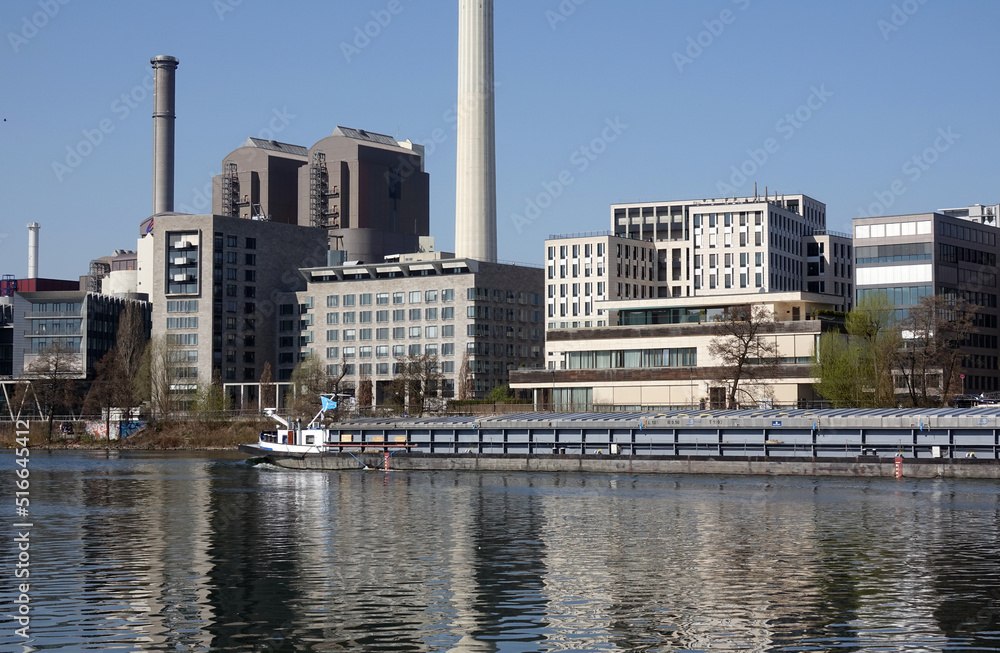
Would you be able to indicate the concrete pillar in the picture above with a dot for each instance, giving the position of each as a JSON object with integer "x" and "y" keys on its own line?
{"x": 163, "y": 132}
{"x": 476, "y": 179}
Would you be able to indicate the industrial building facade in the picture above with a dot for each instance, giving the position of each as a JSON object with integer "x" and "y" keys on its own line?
{"x": 369, "y": 192}
{"x": 213, "y": 281}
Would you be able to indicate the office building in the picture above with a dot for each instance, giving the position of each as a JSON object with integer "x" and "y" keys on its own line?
{"x": 479, "y": 319}
{"x": 951, "y": 253}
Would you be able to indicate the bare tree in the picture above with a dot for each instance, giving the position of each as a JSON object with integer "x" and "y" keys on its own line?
{"x": 365, "y": 394}
{"x": 102, "y": 396}
{"x": 746, "y": 351}
{"x": 268, "y": 399}
{"x": 465, "y": 378}
{"x": 417, "y": 380}
{"x": 931, "y": 359}
{"x": 53, "y": 376}
{"x": 310, "y": 380}
{"x": 130, "y": 343}
{"x": 154, "y": 377}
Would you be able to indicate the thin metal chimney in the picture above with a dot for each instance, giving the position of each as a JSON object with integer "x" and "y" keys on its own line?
{"x": 163, "y": 132}
{"x": 33, "y": 228}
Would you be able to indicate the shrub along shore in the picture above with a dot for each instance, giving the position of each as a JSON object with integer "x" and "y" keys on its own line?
{"x": 163, "y": 436}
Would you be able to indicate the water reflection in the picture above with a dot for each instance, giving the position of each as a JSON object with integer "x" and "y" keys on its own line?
{"x": 168, "y": 552}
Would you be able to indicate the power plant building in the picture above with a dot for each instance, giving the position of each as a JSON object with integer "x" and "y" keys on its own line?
{"x": 368, "y": 191}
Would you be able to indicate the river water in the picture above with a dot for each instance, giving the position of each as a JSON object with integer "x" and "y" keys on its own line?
{"x": 156, "y": 552}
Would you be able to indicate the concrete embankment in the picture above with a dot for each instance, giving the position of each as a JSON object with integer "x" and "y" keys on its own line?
{"x": 754, "y": 466}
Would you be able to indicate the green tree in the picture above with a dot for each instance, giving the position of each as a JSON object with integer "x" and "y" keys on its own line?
{"x": 856, "y": 370}
{"x": 500, "y": 394}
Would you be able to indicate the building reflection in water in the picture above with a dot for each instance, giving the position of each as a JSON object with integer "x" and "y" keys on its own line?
{"x": 182, "y": 552}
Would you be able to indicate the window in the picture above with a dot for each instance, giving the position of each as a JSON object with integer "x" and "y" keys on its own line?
{"x": 448, "y": 349}
{"x": 230, "y": 241}
{"x": 365, "y": 317}
{"x": 399, "y": 350}
{"x": 415, "y": 314}
{"x": 365, "y": 352}
{"x": 431, "y": 296}
{"x": 250, "y": 259}
{"x": 348, "y": 317}
{"x": 349, "y": 352}
{"x": 398, "y": 333}
{"x": 251, "y": 243}
{"x": 399, "y": 315}
{"x": 414, "y": 350}
{"x": 430, "y": 314}
{"x": 398, "y": 298}
{"x": 333, "y": 318}
{"x": 448, "y": 312}
{"x": 415, "y": 332}
{"x": 415, "y": 297}
{"x": 349, "y": 335}
{"x": 333, "y": 352}
{"x": 333, "y": 335}
{"x": 382, "y": 334}
{"x": 431, "y": 332}
{"x": 448, "y": 331}
{"x": 348, "y": 300}
{"x": 382, "y": 298}
{"x": 382, "y": 351}
{"x": 365, "y": 334}
{"x": 332, "y": 301}
{"x": 382, "y": 316}
{"x": 448, "y": 295}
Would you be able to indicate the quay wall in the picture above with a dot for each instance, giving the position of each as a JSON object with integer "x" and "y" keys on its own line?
{"x": 860, "y": 466}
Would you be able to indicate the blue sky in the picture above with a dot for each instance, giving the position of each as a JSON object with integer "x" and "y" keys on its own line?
{"x": 870, "y": 106}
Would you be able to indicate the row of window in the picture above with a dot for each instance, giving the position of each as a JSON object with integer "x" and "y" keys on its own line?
{"x": 382, "y": 369}
{"x": 232, "y": 241}
{"x": 383, "y": 351}
{"x": 727, "y": 280}
{"x": 630, "y": 358}
{"x": 575, "y": 270}
{"x": 182, "y": 306}
{"x": 398, "y": 333}
{"x": 398, "y": 315}
{"x": 382, "y": 298}
{"x": 588, "y": 249}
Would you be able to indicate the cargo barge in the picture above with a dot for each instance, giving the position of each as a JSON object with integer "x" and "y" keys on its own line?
{"x": 920, "y": 443}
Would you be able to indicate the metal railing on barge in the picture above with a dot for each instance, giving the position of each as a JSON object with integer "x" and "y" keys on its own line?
{"x": 832, "y": 433}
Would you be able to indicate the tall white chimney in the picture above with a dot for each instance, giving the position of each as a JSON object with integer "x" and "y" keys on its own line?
{"x": 33, "y": 228}
{"x": 476, "y": 177}
{"x": 163, "y": 132}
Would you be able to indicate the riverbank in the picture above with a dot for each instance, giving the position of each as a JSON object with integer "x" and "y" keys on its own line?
{"x": 166, "y": 436}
